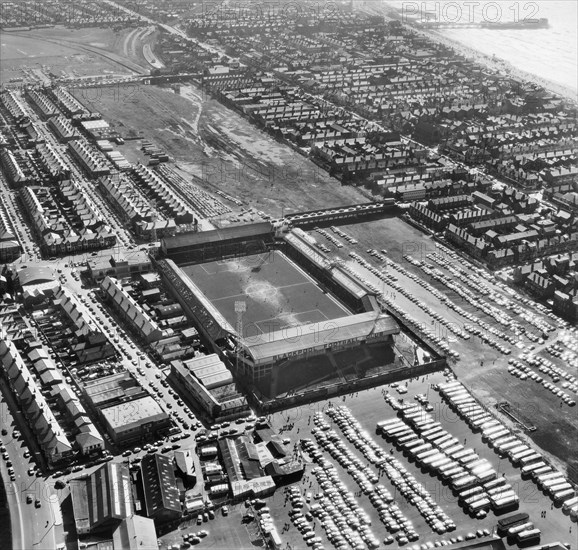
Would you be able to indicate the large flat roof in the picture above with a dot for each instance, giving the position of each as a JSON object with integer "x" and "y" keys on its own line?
{"x": 132, "y": 414}
{"x": 135, "y": 533}
{"x": 292, "y": 340}
{"x": 216, "y": 235}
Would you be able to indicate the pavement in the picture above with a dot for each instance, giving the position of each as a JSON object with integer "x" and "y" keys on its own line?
{"x": 31, "y": 526}
{"x": 369, "y": 407}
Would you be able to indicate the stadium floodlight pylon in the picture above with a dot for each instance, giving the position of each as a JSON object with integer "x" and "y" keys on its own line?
{"x": 240, "y": 308}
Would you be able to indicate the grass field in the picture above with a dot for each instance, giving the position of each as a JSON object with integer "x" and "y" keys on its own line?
{"x": 276, "y": 292}
{"x": 71, "y": 52}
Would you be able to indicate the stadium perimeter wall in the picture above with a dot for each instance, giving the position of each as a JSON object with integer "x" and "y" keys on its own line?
{"x": 269, "y": 406}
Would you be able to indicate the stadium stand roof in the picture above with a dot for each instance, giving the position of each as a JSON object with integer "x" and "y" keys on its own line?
{"x": 216, "y": 235}
{"x": 306, "y": 245}
{"x": 294, "y": 340}
{"x": 212, "y": 320}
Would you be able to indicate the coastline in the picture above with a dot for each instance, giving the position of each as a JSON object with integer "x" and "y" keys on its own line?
{"x": 502, "y": 65}
{"x": 493, "y": 63}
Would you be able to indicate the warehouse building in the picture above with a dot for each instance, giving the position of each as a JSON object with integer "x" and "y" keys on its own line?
{"x": 161, "y": 494}
{"x": 127, "y": 411}
{"x": 131, "y": 421}
{"x": 210, "y": 384}
{"x": 102, "y": 499}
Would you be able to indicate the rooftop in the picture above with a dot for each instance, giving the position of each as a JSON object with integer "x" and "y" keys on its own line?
{"x": 133, "y": 414}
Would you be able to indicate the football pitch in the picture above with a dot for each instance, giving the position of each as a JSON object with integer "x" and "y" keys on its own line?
{"x": 277, "y": 293}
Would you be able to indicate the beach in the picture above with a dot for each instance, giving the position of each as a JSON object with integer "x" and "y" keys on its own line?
{"x": 546, "y": 57}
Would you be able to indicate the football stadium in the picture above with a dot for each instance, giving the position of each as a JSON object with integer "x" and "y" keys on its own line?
{"x": 275, "y": 308}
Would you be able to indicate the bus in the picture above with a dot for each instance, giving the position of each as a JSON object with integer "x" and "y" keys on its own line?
{"x": 530, "y": 535}
{"x": 486, "y": 475}
{"x": 470, "y": 411}
{"x": 447, "y": 386}
{"x": 416, "y": 450}
{"x": 431, "y": 435}
{"x": 424, "y": 454}
{"x": 463, "y": 453}
{"x": 463, "y": 495}
{"x": 275, "y": 539}
{"x": 476, "y": 424}
{"x": 518, "y": 449}
{"x": 455, "y": 450}
{"x": 468, "y": 459}
{"x": 552, "y": 483}
{"x": 479, "y": 462}
{"x": 448, "y": 444}
{"x": 495, "y": 483}
{"x": 389, "y": 422}
{"x": 426, "y": 425}
{"x": 474, "y": 498}
{"x": 440, "y": 437}
{"x": 506, "y": 502}
{"x": 463, "y": 400}
{"x": 464, "y": 482}
{"x": 457, "y": 390}
{"x": 541, "y": 471}
{"x": 383, "y": 425}
{"x": 477, "y": 414}
{"x": 398, "y": 431}
{"x": 440, "y": 463}
{"x": 570, "y": 503}
{"x": 388, "y": 430}
{"x": 500, "y": 493}
{"x": 452, "y": 471}
{"x": 546, "y": 478}
{"x": 435, "y": 455}
{"x": 479, "y": 505}
{"x": 529, "y": 459}
{"x": 495, "y": 436}
{"x": 502, "y": 440}
{"x": 561, "y": 496}
{"x": 490, "y": 424}
{"x": 518, "y": 528}
{"x": 414, "y": 444}
{"x": 564, "y": 486}
{"x": 415, "y": 415}
{"x": 506, "y": 447}
{"x": 407, "y": 438}
{"x": 516, "y": 457}
{"x": 505, "y": 523}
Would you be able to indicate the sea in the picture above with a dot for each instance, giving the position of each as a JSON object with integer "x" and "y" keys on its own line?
{"x": 550, "y": 53}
